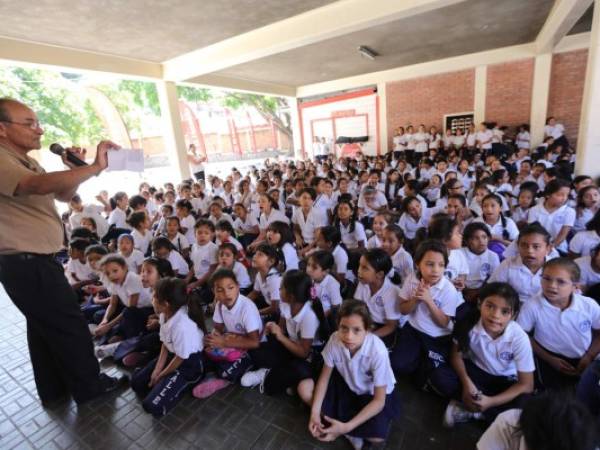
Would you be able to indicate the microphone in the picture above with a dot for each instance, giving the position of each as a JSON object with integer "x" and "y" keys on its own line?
{"x": 58, "y": 149}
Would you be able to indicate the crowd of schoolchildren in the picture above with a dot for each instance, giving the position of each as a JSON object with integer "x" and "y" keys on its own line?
{"x": 468, "y": 264}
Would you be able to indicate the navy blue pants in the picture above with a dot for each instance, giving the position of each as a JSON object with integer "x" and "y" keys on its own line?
{"x": 588, "y": 389}
{"x": 341, "y": 403}
{"x": 445, "y": 382}
{"x": 286, "y": 369}
{"x": 419, "y": 354}
{"x": 550, "y": 379}
{"x": 165, "y": 394}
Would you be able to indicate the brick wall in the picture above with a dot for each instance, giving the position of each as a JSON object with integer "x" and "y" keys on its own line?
{"x": 567, "y": 80}
{"x": 427, "y": 99}
{"x": 508, "y": 92}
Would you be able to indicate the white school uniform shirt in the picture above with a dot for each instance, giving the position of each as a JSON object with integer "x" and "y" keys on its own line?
{"x": 82, "y": 271}
{"x": 383, "y": 304}
{"x": 328, "y": 291}
{"x": 584, "y": 242}
{"x": 276, "y": 216}
{"x": 290, "y": 255}
{"x": 410, "y": 226}
{"x": 142, "y": 241}
{"x": 224, "y": 216}
{"x": 399, "y": 143}
{"x": 520, "y": 215}
{"x": 322, "y": 203}
{"x": 589, "y": 276}
{"x": 373, "y": 242}
{"x": 352, "y": 238}
{"x": 231, "y": 240}
{"x": 134, "y": 260}
{"x": 340, "y": 259}
{"x": 514, "y": 272}
{"x": 91, "y": 211}
{"x": 203, "y": 256}
{"x": 444, "y": 295}
{"x": 457, "y": 264}
{"x": 553, "y": 222}
{"x": 241, "y": 275}
{"x": 485, "y": 136}
{"x": 246, "y": 225}
{"x": 523, "y": 140}
{"x": 567, "y": 332}
{"x": 509, "y": 353}
{"x": 402, "y": 263}
{"x": 269, "y": 286}
{"x": 459, "y": 141}
{"x": 131, "y": 285}
{"x": 118, "y": 218}
{"x": 498, "y": 230}
{"x": 180, "y": 242}
{"x": 304, "y": 325}
{"x": 189, "y": 222}
{"x": 178, "y": 263}
{"x": 466, "y": 179}
{"x": 471, "y": 139}
{"x": 480, "y": 266}
{"x": 370, "y": 210}
{"x": 420, "y": 142}
{"x": 368, "y": 368}
{"x": 180, "y": 334}
{"x": 410, "y": 141}
{"x": 242, "y": 318}
{"x": 582, "y": 219}
{"x": 555, "y": 131}
{"x": 315, "y": 219}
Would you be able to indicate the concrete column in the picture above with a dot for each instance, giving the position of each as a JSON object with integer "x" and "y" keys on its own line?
{"x": 296, "y": 129}
{"x": 172, "y": 129}
{"x": 382, "y": 118}
{"x": 480, "y": 93}
{"x": 588, "y": 143}
{"x": 539, "y": 97}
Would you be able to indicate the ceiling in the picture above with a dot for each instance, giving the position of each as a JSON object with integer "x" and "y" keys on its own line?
{"x": 152, "y": 30}
{"x": 473, "y": 26}
{"x": 585, "y": 23}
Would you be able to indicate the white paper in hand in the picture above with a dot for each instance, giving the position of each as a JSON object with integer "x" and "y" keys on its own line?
{"x": 131, "y": 159}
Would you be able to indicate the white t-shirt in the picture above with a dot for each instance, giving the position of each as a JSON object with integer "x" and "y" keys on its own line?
{"x": 180, "y": 334}
{"x": 290, "y": 255}
{"x": 180, "y": 242}
{"x": 584, "y": 242}
{"x": 241, "y": 274}
{"x": 402, "y": 263}
{"x": 303, "y": 325}
{"x": 242, "y": 318}
{"x": 275, "y": 216}
{"x": 457, "y": 264}
{"x": 445, "y": 296}
{"x": 553, "y": 222}
{"x": 189, "y": 222}
{"x": 131, "y": 285}
{"x": 203, "y": 256}
{"x": 118, "y": 218}
{"x": 328, "y": 291}
{"x": 567, "y": 332}
{"x": 141, "y": 241}
{"x": 589, "y": 276}
{"x": 555, "y": 131}
{"x": 498, "y": 230}
{"x": 340, "y": 258}
{"x": 315, "y": 219}
{"x": 383, "y": 304}
{"x": 93, "y": 212}
{"x": 514, "y": 272}
{"x": 410, "y": 226}
{"x": 268, "y": 287}
{"x": 82, "y": 271}
{"x": 581, "y": 219}
{"x": 245, "y": 226}
{"x": 480, "y": 267}
{"x": 178, "y": 264}
{"x": 485, "y": 137}
{"x": 369, "y": 367}
{"x": 134, "y": 260}
{"x": 373, "y": 242}
{"x": 352, "y": 238}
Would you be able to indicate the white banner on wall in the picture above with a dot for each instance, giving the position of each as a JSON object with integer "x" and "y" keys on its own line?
{"x": 350, "y": 115}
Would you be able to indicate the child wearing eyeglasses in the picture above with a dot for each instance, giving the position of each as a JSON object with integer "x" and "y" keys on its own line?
{"x": 563, "y": 325}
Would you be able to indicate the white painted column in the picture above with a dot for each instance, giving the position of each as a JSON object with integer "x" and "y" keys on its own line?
{"x": 539, "y": 97}
{"x": 296, "y": 130}
{"x": 382, "y": 117}
{"x": 480, "y": 93}
{"x": 588, "y": 143}
{"x": 172, "y": 129}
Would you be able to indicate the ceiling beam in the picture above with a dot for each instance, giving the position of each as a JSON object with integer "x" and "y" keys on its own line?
{"x": 238, "y": 84}
{"x": 330, "y": 21}
{"x": 62, "y": 58}
{"x": 563, "y": 16}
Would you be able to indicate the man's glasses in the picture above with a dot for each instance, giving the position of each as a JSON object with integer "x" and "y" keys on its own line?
{"x": 34, "y": 125}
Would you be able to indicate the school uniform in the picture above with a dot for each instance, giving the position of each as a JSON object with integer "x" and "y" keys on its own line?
{"x": 290, "y": 256}
{"x": 134, "y": 260}
{"x": 485, "y": 137}
{"x": 275, "y": 216}
{"x": 269, "y": 286}
{"x": 457, "y": 264}
{"x": 566, "y": 334}
{"x": 180, "y": 242}
{"x": 498, "y": 228}
{"x": 370, "y": 210}
{"x": 142, "y": 241}
{"x": 178, "y": 264}
{"x": 523, "y": 140}
{"x": 373, "y": 242}
{"x": 589, "y": 276}
{"x": 459, "y": 141}
{"x": 242, "y": 318}
{"x": 402, "y": 263}
{"x": 340, "y": 259}
{"x": 93, "y": 212}
{"x": 203, "y": 256}
{"x": 309, "y": 224}
{"x": 582, "y": 218}
{"x": 520, "y": 215}
{"x": 480, "y": 267}
{"x": 382, "y": 304}
{"x": 118, "y": 218}
{"x": 410, "y": 226}
{"x": 245, "y": 229}
{"x": 420, "y": 142}
{"x": 224, "y": 216}
{"x": 492, "y": 364}
{"x": 182, "y": 338}
{"x": 466, "y": 179}
{"x": 553, "y": 222}
{"x": 328, "y": 292}
{"x": 353, "y": 381}
{"x": 422, "y": 344}
{"x": 322, "y": 203}
{"x": 133, "y": 320}
{"x": 231, "y": 240}
{"x": 514, "y": 272}
{"x": 241, "y": 275}
{"x": 352, "y": 238}
{"x": 82, "y": 271}
{"x": 188, "y": 223}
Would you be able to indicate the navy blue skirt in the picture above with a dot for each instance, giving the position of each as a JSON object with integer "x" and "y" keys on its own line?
{"x": 342, "y": 404}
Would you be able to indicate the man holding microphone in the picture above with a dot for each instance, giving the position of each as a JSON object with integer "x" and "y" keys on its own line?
{"x": 31, "y": 232}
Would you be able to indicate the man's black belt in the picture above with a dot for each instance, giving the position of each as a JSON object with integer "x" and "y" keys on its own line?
{"x": 24, "y": 256}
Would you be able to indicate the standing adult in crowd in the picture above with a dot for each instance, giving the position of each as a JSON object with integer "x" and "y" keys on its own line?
{"x": 196, "y": 161}
{"x": 31, "y": 232}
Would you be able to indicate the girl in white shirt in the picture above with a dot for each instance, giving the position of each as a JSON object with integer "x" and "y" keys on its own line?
{"x": 142, "y": 236}
{"x": 345, "y": 220}
{"x": 179, "y": 366}
{"x": 228, "y": 259}
{"x": 589, "y": 266}
{"x": 503, "y": 229}
{"x": 584, "y": 242}
{"x": 354, "y": 394}
{"x": 327, "y": 288}
{"x": 265, "y": 292}
{"x": 380, "y": 221}
{"x": 484, "y": 138}
{"x": 329, "y": 240}
{"x": 421, "y": 140}
{"x": 162, "y": 248}
{"x": 183, "y": 209}
{"x": 523, "y": 137}
{"x": 280, "y": 235}
{"x": 525, "y": 201}
{"x": 133, "y": 257}
{"x": 480, "y": 260}
{"x": 588, "y": 204}
{"x": 492, "y": 360}
{"x": 286, "y": 358}
{"x": 245, "y": 225}
{"x": 179, "y": 241}
{"x": 269, "y": 214}
{"x": 402, "y": 262}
